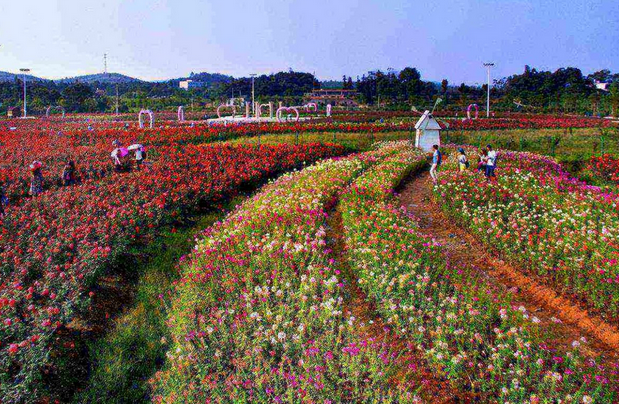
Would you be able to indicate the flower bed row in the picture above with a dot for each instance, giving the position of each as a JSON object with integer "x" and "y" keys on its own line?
{"x": 54, "y": 248}
{"x": 542, "y": 219}
{"x": 469, "y": 334}
{"x": 258, "y": 316}
{"x": 605, "y": 167}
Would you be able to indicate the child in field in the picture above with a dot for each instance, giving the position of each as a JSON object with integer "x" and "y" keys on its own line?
{"x": 463, "y": 161}
{"x": 437, "y": 159}
{"x": 483, "y": 161}
{"x": 139, "y": 157}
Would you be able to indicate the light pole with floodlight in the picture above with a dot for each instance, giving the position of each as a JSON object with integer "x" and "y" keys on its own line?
{"x": 253, "y": 93}
{"x": 488, "y": 66}
{"x": 24, "y": 71}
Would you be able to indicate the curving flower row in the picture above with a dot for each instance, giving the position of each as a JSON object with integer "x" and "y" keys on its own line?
{"x": 467, "y": 332}
{"x": 258, "y": 315}
{"x": 541, "y": 218}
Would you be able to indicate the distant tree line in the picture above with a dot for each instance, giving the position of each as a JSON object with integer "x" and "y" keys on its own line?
{"x": 564, "y": 90}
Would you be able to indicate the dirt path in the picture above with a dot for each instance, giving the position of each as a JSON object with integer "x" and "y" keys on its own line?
{"x": 561, "y": 319}
{"x": 410, "y": 363}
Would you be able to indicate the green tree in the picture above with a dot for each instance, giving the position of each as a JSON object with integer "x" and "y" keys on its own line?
{"x": 74, "y": 98}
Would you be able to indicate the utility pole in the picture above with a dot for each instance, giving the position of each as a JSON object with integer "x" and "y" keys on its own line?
{"x": 105, "y": 63}
{"x": 24, "y": 71}
{"x": 116, "y": 98}
{"x": 488, "y": 65}
{"x": 253, "y": 93}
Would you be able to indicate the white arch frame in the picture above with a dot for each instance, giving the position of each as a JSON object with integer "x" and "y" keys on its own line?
{"x": 311, "y": 105}
{"x": 287, "y": 109}
{"x": 180, "y": 113}
{"x": 259, "y": 109}
{"x": 151, "y": 117}
{"x": 468, "y": 111}
{"x": 219, "y": 108}
{"x": 53, "y": 107}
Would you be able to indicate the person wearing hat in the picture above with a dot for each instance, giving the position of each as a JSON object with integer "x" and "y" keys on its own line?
{"x": 36, "y": 178}
{"x": 463, "y": 161}
{"x": 68, "y": 173}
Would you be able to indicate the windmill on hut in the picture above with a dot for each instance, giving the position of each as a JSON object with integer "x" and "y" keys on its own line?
{"x": 428, "y": 128}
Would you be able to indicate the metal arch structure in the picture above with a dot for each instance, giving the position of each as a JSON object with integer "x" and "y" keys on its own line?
{"x": 219, "y": 108}
{"x": 151, "y": 117}
{"x": 180, "y": 113}
{"x": 468, "y": 111}
{"x": 287, "y": 109}
{"x": 51, "y": 108}
{"x": 309, "y": 106}
{"x": 259, "y": 109}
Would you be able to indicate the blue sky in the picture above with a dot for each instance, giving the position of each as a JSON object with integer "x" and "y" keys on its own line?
{"x": 160, "y": 39}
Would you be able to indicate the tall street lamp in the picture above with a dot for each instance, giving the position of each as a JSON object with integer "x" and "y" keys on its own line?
{"x": 24, "y": 71}
{"x": 488, "y": 65}
{"x": 253, "y": 93}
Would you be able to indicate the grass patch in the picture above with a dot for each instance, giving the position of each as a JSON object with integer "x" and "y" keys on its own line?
{"x": 124, "y": 360}
{"x": 352, "y": 141}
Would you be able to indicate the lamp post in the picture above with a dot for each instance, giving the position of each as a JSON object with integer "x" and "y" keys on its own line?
{"x": 253, "y": 93}
{"x": 116, "y": 98}
{"x": 488, "y": 65}
{"x": 24, "y": 71}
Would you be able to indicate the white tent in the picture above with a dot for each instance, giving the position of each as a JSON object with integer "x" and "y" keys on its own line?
{"x": 428, "y": 132}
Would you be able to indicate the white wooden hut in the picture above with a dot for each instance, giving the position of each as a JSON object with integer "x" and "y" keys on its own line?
{"x": 428, "y": 132}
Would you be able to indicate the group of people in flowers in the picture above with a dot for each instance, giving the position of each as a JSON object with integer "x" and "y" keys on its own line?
{"x": 67, "y": 178}
{"x": 69, "y": 173}
{"x": 120, "y": 156}
{"x": 487, "y": 159}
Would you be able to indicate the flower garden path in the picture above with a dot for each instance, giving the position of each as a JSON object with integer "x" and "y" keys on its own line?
{"x": 563, "y": 320}
{"x": 410, "y": 362}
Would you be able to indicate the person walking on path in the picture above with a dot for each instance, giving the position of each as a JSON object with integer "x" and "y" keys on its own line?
{"x": 463, "y": 161}
{"x": 491, "y": 164}
{"x": 36, "y": 179}
{"x": 437, "y": 159}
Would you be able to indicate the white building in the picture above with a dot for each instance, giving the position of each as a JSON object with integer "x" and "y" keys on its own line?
{"x": 602, "y": 86}
{"x": 188, "y": 84}
{"x": 428, "y": 132}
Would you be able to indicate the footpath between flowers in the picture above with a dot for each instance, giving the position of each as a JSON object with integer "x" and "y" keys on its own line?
{"x": 261, "y": 311}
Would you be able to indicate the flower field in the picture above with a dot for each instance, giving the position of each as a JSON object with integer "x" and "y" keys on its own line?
{"x": 53, "y": 248}
{"x": 605, "y": 167}
{"x": 258, "y": 316}
{"x": 466, "y": 331}
{"x": 559, "y": 228}
{"x": 261, "y": 310}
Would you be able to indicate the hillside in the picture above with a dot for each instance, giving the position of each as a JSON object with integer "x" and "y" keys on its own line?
{"x": 208, "y": 78}
{"x": 6, "y": 76}
{"x": 113, "y": 78}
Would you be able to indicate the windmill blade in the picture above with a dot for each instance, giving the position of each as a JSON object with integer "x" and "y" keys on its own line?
{"x": 415, "y": 110}
{"x": 443, "y": 121}
{"x": 438, "y": 101}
